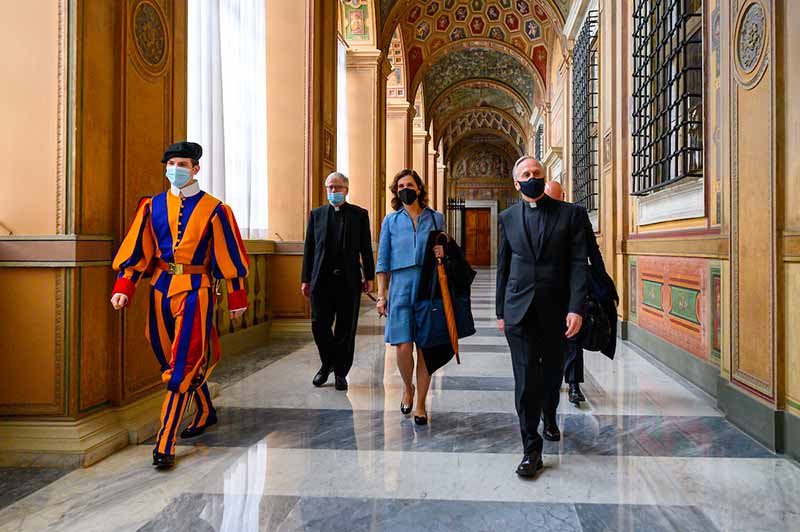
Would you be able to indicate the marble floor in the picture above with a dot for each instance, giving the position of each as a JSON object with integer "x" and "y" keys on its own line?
{"x": 646, "y": 452}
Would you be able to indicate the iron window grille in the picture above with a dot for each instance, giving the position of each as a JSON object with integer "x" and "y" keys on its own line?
{"x": 667, "y": 93}
{"x": 585, "y": 116}
{"x": 456, "y": 208}
{"x": 539, "y": 148}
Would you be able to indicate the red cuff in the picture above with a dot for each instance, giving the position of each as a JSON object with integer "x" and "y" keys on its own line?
{"x": 124, "y": 286}
{"x": 237, "y": 300}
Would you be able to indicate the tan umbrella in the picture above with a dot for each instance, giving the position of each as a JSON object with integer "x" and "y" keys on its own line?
{"x": 448, "y": 303}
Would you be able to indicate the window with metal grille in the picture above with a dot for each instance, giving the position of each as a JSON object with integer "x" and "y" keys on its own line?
{"x": 539, "y": 148}
{"x": 667, "y": 93}
{"x": 585, "y": 116}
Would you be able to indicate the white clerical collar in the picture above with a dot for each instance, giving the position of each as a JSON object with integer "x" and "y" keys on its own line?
{"x": 337, "y": 207}
{"x": 531, "y": 204}
{"x": 188, "y": 191}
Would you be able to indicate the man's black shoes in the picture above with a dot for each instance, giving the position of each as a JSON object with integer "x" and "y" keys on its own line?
{"x": 163, "y": 461}
{"x": 191, "y": 432}
{"x": 530, "y": 465}
{"x": 341, "y": 383}
{"x": 575, "y": 394}
{"x": 321, "y": 377}
{"x": 551, "y": 432}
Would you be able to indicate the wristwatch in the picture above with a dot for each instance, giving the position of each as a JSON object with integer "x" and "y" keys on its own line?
{"x": 380, "y": 300}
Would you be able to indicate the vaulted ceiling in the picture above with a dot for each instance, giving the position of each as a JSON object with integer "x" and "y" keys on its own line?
{"x": 480, "y": 65}
{"x": 477, "y": 93}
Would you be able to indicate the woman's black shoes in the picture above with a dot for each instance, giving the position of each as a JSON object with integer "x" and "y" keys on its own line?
{"x": 406, "y": 409}
{"x": 421, "y": 420}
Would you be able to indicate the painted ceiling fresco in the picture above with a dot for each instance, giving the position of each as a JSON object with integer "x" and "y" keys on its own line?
{"x": 473, "y": 62}
{"x": 477, "y": 94}
{"x": 480, "y": 120}
{"x": 480, "y": 7}
{"x": 429, "y": 26}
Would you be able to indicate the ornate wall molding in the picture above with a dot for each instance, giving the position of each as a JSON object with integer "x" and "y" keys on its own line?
{"x": 739, "y": 11}
{"x": 152, "y": 42}
{"x": 751, "y": 43}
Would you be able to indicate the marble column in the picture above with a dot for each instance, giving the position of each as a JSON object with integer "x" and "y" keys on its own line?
{"x": 399, "y": 151}
{"x": 420, "y": 152}
{"x": 441, "y": 193}
{"x": 433, "y": 157}
{"x": 366, "y": 97}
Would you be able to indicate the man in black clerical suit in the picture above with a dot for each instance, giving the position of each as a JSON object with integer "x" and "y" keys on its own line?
{"x": 601, "y": 284}
{"x": 541, "y": 291}
{"x": 338, "y": 243}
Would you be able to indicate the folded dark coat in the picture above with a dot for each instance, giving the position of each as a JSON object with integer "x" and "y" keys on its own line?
{"x": 459, "y": 276}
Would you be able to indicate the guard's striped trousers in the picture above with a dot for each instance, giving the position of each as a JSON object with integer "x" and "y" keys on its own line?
{"x": 181, "y": 327}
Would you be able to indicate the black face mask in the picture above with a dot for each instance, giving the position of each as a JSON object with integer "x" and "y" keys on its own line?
{"x": 533, "y": 188}
{"x": 407, "y": 196}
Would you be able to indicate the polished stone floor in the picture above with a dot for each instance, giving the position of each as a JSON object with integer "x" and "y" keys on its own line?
{"x": 646, "y": 452}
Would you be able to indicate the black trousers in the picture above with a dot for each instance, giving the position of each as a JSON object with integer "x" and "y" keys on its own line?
{"x": 537, "y": 346}
{"x": 573, "y": 366}
{"x": 335, "y": 301}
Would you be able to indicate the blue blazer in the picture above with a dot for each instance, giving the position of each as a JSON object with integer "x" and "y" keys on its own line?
{"x": 400, "y": 245}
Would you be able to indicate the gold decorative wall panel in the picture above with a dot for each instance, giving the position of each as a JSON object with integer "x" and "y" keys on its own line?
{"x": 753, "y": 184}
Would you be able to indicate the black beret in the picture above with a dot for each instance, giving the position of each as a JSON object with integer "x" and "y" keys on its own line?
{"x": 190, "y": 150}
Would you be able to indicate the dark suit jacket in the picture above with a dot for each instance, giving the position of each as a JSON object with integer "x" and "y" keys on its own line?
{"x": 556, "y": 279}
{"x": 357, "y": 244}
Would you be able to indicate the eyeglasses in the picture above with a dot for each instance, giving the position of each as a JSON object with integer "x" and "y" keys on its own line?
{"x": 334, "y": 188}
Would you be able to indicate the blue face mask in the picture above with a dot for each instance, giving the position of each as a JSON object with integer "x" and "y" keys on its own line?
{"x": 336, "y": 198}
{"x": 178, "y": 175}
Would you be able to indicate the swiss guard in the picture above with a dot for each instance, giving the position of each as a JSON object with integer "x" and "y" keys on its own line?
{"x": 188, "y": 242}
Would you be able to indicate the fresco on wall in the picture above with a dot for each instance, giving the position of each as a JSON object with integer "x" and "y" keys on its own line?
{"x": 357, "y": 23}
{"x": 482, "y": 172}
{"x": 673, "y": 302}
{"x": 395, "y": 84}
{"x": 478, "y": 62}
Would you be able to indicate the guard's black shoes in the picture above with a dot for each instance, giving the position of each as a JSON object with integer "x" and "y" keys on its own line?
{"x": 321, "y": 377}
{"x": 163, "y": 461}
{"x": 191, "y": 432}
{"x": 530, "y": 465}
{"x": 341, "y": 383}
{"x": 575, "y": 394}
{"x": 551, "y": 432}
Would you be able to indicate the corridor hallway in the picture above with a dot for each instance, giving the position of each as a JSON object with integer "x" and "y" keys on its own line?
{"x": 646, "y": 452}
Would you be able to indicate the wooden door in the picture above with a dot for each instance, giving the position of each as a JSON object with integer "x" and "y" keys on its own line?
{"x": 477, "y": 242}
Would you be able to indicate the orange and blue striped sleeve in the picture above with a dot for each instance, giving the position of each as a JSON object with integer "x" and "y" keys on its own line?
{"x": 229, "y": 260}
{"x": 135, "y": 252}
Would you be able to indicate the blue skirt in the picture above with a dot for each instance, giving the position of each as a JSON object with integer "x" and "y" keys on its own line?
{"x": 400, "y": 323}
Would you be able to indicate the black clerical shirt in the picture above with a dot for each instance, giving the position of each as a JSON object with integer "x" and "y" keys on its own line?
{"x": 336, "y": 245}
{"x": 535, "y": 219}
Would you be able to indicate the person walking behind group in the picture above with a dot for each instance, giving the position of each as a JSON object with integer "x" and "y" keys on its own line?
{"x": 573, "y": 366}
{"x": 401, "y": 253}
{"x": 338, "y": 244}
{"x": 541, "y": 291}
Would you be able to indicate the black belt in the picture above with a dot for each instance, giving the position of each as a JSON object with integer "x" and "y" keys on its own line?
{"x": 337, "y": 272}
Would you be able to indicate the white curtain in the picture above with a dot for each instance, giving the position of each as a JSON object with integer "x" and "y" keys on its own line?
{"x": 342, "y": 143}
{"x": 227, "y": 105}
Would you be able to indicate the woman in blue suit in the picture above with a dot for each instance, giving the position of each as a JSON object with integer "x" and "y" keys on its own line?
{"x": 404, "y": 235}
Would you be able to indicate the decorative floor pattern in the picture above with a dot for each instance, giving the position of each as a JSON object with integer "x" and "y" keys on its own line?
{"x": 646, "y": 452}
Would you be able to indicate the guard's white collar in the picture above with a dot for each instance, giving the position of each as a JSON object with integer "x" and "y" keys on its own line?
{"x": 188, "y": 191}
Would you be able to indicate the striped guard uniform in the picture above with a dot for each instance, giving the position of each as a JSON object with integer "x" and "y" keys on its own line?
{"x": 194, "y": 231}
